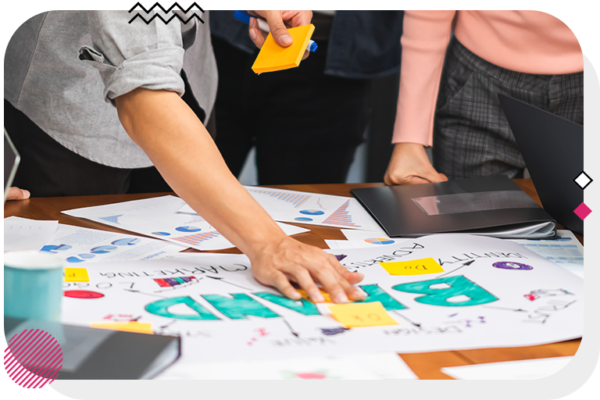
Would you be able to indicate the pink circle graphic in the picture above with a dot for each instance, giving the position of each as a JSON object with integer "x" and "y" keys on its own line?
{"x": 33, "y": 358}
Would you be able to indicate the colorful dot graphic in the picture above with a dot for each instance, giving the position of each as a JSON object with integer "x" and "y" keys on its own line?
{"x": 33, "y": 358}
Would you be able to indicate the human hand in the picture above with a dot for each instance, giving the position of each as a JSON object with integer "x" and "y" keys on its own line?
{"x": 14, "y": 193}
{"x": 278, "y": 22}
{"x": 410, "y": 165}
{"x": 288, "y": 260}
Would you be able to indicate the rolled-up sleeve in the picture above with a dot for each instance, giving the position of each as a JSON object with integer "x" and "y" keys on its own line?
{"x": 134, "y": 55}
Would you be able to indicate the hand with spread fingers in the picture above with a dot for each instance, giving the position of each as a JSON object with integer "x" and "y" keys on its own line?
{"x": 288, "y": 261}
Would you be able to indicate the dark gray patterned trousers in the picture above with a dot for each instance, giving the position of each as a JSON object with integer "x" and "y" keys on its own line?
{"x": 471, "y": 134}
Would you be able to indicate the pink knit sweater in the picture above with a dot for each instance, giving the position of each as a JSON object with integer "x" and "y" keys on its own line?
{"x": 525, "y": 41}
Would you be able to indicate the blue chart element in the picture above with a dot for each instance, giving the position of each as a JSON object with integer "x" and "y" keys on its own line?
{"x": 87, "y": 256}
{"x": 53, "y": 248}
{"x": 312, "y": 212}
{"x": 126, "y": 242}
{"x": 74, "y": 260}
{"x": 103, "y": 249}
{"x": 112, "y": 218}
{"x": 303, "y": 219}
{"x": 161, "y": 233}
{"x": 187, "y": 229}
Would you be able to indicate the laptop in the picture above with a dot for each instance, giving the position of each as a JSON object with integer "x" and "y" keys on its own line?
{"x": 552, "y": 148}
{"x": 11, "y": 162}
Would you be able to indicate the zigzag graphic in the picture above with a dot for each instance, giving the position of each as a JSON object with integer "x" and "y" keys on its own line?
{"x": 138, "y": 4}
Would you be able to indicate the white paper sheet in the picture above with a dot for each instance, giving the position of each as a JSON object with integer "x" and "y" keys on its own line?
{"x": 82, "y": 245}
{"x": 490, "y": 293}
{"x": 565, "y": 251}
{"x": 356, "y": 367}
{"x": 510, "y": 370}
{"x": 310, "y": 208}
{"x": 159, "y": 217}
{"x": 27, "y": 234}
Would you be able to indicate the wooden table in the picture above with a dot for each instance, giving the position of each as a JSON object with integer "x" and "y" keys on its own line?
{"x": 425, "y": 365}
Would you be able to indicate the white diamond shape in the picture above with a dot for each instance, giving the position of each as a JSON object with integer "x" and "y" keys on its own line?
{"x": 583, "y": 180}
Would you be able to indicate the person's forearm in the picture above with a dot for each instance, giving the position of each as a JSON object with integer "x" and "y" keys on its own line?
{"x": 162, "y": 124}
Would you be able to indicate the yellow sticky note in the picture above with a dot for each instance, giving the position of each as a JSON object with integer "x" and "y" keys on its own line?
{"x": 361, "y": 314}
{"x": 421, "y": 266}
{"x": 76, "y": 275}
{"x": 305, "y": 295}
{"x": 273, "y": 57}
{"x": 129, "y": 326}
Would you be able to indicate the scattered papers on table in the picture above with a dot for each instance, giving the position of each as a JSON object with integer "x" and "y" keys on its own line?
{"x": 82, "y": 245}
{"x": 510, "y": 370}
{"x": 273, "y": 57}
{"x": 159, "y": 217}
{"x": 310, "y": 208}
{"x": 492, "y": 293}
{"x": 27, "y": 234}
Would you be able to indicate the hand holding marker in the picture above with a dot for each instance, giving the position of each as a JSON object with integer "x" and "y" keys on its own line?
{"x": 244, "y": 17}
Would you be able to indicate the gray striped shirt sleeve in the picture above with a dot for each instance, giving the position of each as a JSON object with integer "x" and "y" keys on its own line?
{"x": 137, "y": 55}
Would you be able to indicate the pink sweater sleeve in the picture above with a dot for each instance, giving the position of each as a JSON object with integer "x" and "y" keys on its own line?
{"x": 424, "y": 42}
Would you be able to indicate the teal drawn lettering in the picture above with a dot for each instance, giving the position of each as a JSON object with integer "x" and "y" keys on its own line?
{"x": 458, "y": 286}
{"x": 375, "y": 293}
{"x": 302, "y": 306}
{"x": 239, "y": 307}
{"x": 161, "y": 308}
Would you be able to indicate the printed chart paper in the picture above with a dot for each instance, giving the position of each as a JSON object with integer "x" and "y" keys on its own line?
{"x": 310, "y": 208}
{"x": 158, "y": 217}
{"x": 82, "y": 245}
{"x": 510, "y": 370}
{"x": 491, "y": 293}
{"x": 27, "y": 234}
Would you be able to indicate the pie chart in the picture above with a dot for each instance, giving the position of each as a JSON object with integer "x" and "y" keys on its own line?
{"x": 379, "y": 241}
{"x": 103, "y": 249}
{"x": 87, "y": 255}
{"x": 53, "y": 248}
{"x": 74, "y": 260}
{"x": 312, "y": 212}
{"x": 188, "y": 229}
{"x": 303, "y": 219}
{"x": 161, "y": 233}
{"x": 126, "y": 242}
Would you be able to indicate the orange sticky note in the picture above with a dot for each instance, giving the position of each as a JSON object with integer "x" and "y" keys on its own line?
{"x": 129, "y": 326}
{"x": 422, "y": 266}
{"x": 356, "y": 315}
{"x": 273, "y": 57}
{"x": 305, "y": 295}
{"x": 76, "y": 275}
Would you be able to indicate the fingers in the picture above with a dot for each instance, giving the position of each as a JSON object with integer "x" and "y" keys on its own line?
{"x": 306, "y": 282}
{"x": 306, "y": 53}
{"x": 14, "y": 193}
{"x": 278, "y": 29}
{"x": 352, "y": 277}
{"x": 256, "y": 35}
{"x": 443, "y": 178}
{"x": 281, "y": 282}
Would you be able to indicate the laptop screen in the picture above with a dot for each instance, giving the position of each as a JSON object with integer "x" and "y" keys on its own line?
{"x": 11, "y": 162}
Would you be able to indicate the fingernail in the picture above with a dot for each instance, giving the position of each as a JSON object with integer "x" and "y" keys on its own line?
{"x": 25, "y": 193}
{"x": 318, "y": 297}
{"x": 286, "y": 39}
{"x": 358, "y": 295}
{"x": 252, "y": 34}
{"x": 341, "y": 298}
{"x": 295, "y": 296}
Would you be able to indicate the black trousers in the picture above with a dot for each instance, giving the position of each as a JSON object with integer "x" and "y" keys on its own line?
{"x": 305, "y": 125}
{"x": 49, "y": 169}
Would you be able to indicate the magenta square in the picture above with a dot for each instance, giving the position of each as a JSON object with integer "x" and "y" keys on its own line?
{"x": 582, "y": 211}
